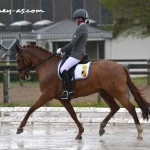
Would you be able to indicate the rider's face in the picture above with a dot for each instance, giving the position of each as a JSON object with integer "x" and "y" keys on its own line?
{"x": 76, "y": 21}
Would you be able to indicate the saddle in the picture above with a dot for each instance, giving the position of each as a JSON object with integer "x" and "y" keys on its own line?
{"x": 78, "y": 72}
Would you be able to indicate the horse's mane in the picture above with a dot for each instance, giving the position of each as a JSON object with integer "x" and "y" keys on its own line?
{"x": 37, "y": 48}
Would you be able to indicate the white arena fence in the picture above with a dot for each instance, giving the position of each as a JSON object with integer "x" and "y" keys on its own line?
{"x": 60, "y": 115}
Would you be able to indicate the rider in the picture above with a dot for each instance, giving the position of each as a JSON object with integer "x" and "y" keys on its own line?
{"x": 75, "y": 51}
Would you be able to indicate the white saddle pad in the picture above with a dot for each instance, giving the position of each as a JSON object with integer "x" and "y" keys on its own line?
{"x": 81, "y": 71}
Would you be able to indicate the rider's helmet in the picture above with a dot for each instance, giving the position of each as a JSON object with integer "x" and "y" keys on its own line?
{"x": 81, "y": 13}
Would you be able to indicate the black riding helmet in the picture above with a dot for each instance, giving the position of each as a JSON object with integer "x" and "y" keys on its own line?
{"x": 80, "y": 13}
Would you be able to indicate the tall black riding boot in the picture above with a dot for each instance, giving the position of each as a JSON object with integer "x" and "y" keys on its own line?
{"x": 68, "y": 92}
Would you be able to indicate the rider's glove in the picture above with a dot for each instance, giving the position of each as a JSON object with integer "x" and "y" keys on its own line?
{"x": 58, "y": 51}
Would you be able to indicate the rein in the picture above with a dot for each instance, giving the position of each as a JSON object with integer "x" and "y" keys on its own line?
{"x": 34, "y": 66}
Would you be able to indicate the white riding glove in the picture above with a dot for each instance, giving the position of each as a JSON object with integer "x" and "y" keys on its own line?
{"x": 58, "y": 51}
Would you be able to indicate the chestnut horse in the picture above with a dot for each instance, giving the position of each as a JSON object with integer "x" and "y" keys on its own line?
{"x": 106, "y": 77}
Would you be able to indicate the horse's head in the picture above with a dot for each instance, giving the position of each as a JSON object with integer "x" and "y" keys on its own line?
{"x": 31, "y": 57}
{"x": 24, "y": 64}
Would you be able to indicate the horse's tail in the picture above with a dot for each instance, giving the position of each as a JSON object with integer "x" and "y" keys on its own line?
{"x": 138, "y": 97}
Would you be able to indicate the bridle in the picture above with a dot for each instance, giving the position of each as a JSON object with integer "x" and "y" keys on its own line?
{"x": 26, "y": 68}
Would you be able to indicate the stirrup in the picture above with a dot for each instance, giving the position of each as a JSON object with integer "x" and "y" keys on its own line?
{"x": 67, "y": 95}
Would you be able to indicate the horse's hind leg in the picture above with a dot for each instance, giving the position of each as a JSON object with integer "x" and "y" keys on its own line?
{"x": 72, "y": 113}
{"x": 41, "y": 101}
{"x": 114, "y": 108}
{"x": 131, "y": 109}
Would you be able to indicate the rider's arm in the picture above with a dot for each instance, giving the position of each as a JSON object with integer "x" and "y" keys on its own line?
{"x": 79, "y": 32}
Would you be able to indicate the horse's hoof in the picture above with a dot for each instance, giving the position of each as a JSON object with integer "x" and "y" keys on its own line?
{"x": 78, "y": 137}
{"x": 20, "y": 130}
{"x": 101, "y": 132}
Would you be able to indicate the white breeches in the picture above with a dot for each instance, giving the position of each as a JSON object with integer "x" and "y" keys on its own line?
{"x": 70, "y": 62}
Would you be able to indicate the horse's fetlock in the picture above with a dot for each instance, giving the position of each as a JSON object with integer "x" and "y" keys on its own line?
{"x": 102, "y": 125}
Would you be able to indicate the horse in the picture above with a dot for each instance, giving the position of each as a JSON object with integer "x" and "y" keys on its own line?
{"x": 108, "y": 78}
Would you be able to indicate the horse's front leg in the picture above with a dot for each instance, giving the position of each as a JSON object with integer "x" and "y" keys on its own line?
{"x": 72, "y": 113}
{"x": 41, "y": 101}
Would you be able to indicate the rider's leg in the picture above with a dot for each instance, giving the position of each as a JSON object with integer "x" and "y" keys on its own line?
{"x": 70, "y": 62}
{"x": 68, "y": 91}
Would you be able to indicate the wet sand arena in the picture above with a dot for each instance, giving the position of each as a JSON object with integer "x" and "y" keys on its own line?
{"x": 61, "y": 136}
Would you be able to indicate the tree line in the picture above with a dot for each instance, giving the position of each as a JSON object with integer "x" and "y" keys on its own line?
{"x": 131, "y": 17}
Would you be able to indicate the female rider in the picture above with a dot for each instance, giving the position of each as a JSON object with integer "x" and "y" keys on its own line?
{"x": 74, "y": 51}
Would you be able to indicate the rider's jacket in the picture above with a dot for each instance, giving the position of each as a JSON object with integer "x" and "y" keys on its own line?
{"x": 76, "y": 48}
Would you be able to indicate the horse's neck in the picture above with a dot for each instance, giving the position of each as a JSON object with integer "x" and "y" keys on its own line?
{"x": 47, "y": 72}
{"x": 44, "y": 65}
{"x": 40, "y": 58}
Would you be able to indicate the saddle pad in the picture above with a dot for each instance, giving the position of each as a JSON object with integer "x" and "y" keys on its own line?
{"x": 81, "y": 71}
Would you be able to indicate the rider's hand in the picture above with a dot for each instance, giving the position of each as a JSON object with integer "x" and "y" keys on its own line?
{"x": 58, "y": 51}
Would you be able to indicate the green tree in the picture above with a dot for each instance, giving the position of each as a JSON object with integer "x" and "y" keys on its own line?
{"x": 132, "y": 16}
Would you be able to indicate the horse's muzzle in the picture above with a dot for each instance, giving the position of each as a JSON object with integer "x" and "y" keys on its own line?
{"x": 24, "y": 76}
{"x": 27, "y": 77}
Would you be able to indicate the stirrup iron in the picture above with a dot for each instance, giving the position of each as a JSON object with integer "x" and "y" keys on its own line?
{"x": 67, "y": 95}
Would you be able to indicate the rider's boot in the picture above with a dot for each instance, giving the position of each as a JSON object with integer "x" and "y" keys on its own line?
{"x": 67, "y": 92}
